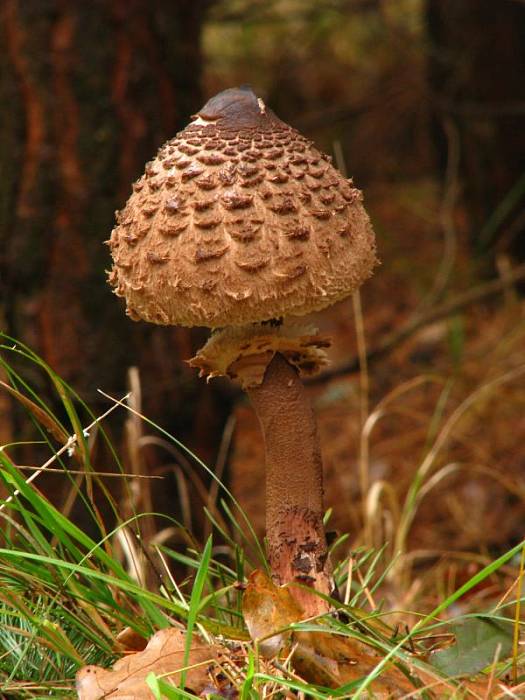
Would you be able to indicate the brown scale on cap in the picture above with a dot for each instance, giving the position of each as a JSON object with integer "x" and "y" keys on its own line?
{"x": 237, "y": 158}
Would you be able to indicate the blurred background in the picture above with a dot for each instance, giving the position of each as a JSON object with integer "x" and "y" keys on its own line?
{"x": 423, "y": 103}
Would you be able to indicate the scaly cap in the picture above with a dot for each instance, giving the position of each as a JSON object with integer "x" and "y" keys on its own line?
{"x": 239, "y": 219}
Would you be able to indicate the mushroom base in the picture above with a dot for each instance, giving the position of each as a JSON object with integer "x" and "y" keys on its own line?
{"x": 298, "y": 554}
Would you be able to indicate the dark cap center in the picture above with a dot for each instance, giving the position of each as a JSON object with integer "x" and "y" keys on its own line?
{"x": 236, "y": 108}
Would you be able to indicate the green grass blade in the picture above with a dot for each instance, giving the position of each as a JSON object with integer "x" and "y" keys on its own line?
{"x": 195, "y": 599}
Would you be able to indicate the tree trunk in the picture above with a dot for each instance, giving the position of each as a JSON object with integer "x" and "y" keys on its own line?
{"x": 89, "y": 91}
{"x": 476, "y": 72}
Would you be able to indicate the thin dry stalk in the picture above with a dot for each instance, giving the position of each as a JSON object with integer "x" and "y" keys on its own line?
{"x": 134, "y": 558}
{"x": 375, "y": 514}
{"x": 184, "y": 497}
{"x": 366, "y": 591}
{"x": 220, "y": 466}
{"x": 492, "y": 677}
{"x": 348, "y": 587}
{"x": 139, "y": 494}
{"x": 364, "y": 389}
{"x": 517, "y": 618}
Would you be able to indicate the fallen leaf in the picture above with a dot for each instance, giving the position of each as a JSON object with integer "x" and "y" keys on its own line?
{"x": 266, "y": 609}
{"x": 130, "y": 640}
{"x": 164, "y": 654}
{"x": 323, "y": 658}
{"x": 333, "y": 660}
{"x": 476, "y": 646}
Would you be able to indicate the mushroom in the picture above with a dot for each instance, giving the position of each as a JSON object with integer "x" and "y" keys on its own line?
{"x": 239, "y": 223}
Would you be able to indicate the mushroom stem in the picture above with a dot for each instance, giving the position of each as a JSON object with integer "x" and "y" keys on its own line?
{"x": 294, "y": 484}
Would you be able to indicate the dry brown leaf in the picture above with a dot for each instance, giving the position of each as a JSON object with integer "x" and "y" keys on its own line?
{"x": 266, "y": 609}
{"x": 331, "y": 660}
{"x": 130, "y": 640}
{"x": 163, "y": 654}
{"x": 323, "y": 658}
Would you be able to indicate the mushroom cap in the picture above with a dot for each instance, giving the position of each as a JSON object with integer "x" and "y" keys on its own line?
{"x": 239, "y": 219}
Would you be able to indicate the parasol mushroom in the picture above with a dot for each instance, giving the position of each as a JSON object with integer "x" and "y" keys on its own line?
{"x": 237, "y": 224}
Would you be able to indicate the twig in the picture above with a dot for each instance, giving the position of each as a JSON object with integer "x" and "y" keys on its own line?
{"x": 442, "y": 311}
{"x": 114, "y": 475}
